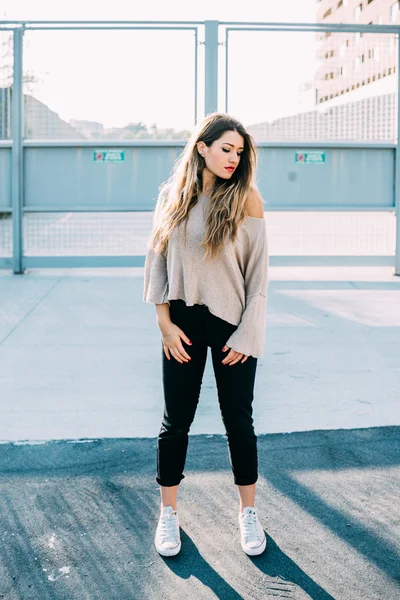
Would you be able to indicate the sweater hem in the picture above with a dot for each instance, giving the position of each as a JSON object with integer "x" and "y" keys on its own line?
{"x": 211, "y": 311}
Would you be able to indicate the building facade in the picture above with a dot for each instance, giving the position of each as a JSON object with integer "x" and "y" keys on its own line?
{"x": 350, "y": 61}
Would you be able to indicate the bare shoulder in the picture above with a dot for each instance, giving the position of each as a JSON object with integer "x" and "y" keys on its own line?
{"x": 254, "y": 204}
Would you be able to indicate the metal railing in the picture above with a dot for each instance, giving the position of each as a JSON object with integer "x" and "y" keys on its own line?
{"x": 342, "y": 121}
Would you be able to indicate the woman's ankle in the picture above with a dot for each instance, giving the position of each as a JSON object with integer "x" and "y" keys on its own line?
{"x": 173, "y": 504}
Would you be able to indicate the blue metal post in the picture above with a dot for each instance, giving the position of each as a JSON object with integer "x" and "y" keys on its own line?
{"x": 16, "y": 169}
{"x": 211, "y": 67}
{"x": 226, "y": 68}
{"x": 196, "y": 72}
{"x": 397, "y": 168}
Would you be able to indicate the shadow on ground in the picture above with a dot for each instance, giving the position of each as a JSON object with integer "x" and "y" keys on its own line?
{"x": 78, "y": 519}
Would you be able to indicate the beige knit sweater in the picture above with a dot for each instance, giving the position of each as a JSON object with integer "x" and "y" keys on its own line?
{"x": 233, "y": 285}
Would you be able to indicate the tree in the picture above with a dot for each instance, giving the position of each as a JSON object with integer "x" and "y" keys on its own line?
{"x": 135, "y": 127}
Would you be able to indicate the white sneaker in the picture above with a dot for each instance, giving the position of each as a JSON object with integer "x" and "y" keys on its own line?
{"x": 252, "y": 534}
{"x": 167, "y": 538}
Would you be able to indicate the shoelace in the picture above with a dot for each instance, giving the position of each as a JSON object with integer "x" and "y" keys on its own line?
{"x": 249, "y": 521}
{"x": 168, "y": 527}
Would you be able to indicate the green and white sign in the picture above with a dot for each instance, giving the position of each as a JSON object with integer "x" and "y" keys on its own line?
{"x": 316, "y": 157}
{"x": 109, "y": 155}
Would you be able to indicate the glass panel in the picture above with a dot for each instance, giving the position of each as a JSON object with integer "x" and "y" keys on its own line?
{"x": 314, "y": 86}
{"x": 5, "y": 234}
{"x": 86, "y": 234}
{"x": 290, "y": 233}
{"x": 109, "y": 84}
{"x": 331, "y": 233}
{"x": 6, "y": 76}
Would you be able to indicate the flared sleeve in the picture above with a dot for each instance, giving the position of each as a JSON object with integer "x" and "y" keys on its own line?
{"x": 249, "y": 337}
{"x": 155, "y": 270}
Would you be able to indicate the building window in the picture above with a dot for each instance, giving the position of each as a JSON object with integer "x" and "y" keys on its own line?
{"x": 340, "y": 3}
{"x": 357, "y": 37}
{"x": 369, "y": 1}
{"x": 328, "y": 12}
{"x": 373, "y": 53}
{"x": 357, "y": 12}
{"x": 362, "y": 58}
{"x": 394, "y": 9}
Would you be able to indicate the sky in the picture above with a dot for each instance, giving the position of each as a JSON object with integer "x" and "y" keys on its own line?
{"x": 129, "y": 76}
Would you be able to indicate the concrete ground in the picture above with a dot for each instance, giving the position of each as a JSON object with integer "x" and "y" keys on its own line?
{"x": 80, "y": 354}
{"x": 78, "y": 519}
{"x": 80, "y": 409}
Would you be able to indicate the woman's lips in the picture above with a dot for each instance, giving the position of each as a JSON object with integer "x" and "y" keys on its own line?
{"x": 230, "y": 169}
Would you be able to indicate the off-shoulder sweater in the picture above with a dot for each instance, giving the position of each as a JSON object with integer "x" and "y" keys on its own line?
{"x": 233, "y": 285}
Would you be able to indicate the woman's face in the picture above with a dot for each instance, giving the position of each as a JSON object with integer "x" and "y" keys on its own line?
{"x": 224, "y": 152}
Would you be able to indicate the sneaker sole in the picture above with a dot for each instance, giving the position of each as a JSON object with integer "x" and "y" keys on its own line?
{"x": 169, "y": 551}
{"x": 255, "y": 551}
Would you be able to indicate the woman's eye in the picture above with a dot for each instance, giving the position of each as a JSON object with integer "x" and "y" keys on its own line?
{"x": 225, "y": 150}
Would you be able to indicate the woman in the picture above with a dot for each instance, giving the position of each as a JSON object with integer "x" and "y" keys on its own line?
{"x": 210, "y": 289}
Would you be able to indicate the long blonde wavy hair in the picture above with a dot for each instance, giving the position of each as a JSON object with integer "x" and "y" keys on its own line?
{"x": 180, "y": 192}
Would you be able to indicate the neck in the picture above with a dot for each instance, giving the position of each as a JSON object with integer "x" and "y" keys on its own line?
{"x": 208, "y": 182}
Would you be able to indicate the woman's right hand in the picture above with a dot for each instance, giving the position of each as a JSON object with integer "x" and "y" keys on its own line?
{"x": 171, "y": 336}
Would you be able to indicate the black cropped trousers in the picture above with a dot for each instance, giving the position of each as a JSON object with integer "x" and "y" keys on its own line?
{"x": 182, "y": 383}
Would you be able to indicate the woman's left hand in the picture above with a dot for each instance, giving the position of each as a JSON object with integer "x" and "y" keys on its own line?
{"x": 233, "y": 357}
